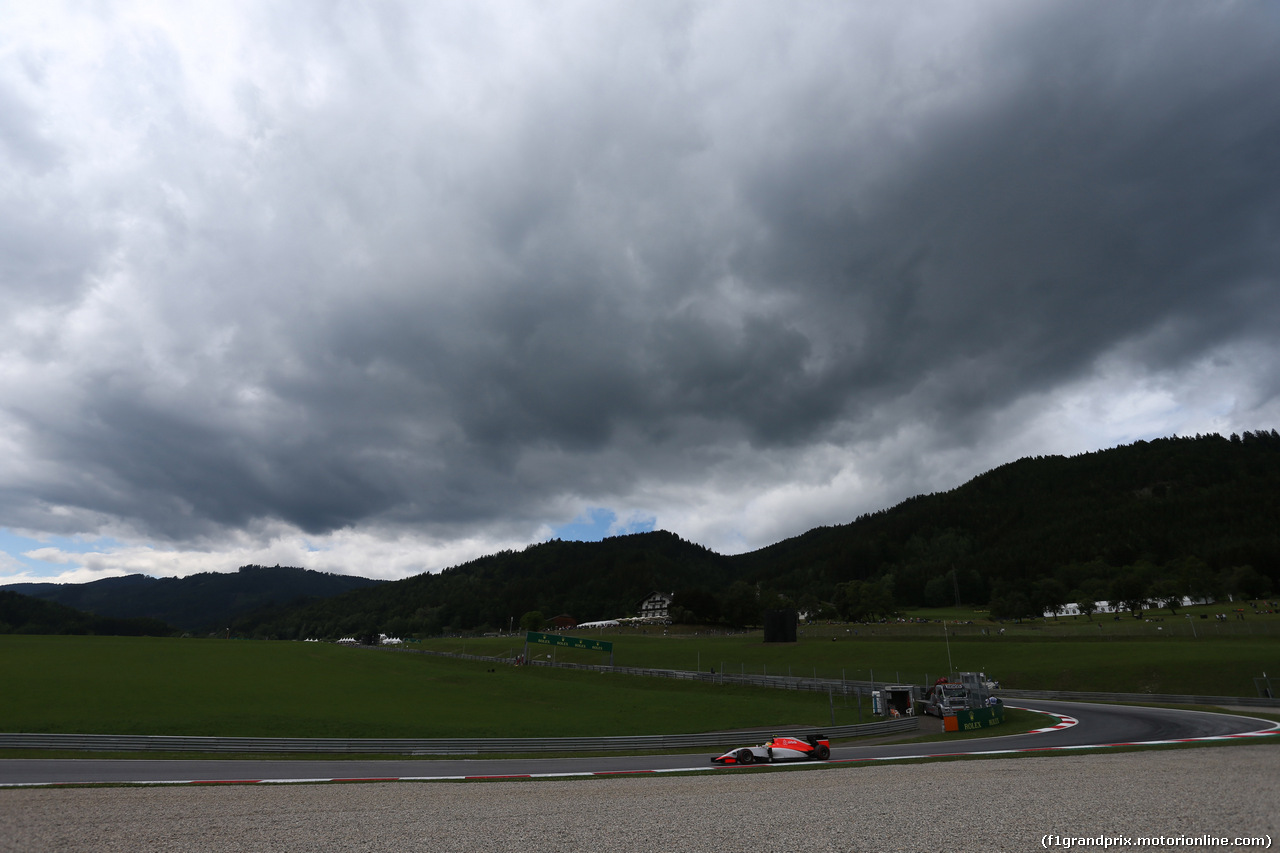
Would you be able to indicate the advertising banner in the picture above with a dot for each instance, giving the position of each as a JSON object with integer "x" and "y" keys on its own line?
{"x": 980, "y": 718}
{"x": 568, "y": 642}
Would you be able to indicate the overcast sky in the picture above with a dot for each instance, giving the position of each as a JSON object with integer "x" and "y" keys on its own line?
{"x": 377, "y": 288}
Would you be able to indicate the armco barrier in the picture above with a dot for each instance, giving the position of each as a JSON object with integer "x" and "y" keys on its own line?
{"x": 431, "y": 746}
{"x": 776, "y": 682}
{"x": 1158, "y": 698}
{"x": 848, "y": 687}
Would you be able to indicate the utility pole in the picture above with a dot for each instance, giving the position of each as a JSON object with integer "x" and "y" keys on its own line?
{"x": 947, "y": 637}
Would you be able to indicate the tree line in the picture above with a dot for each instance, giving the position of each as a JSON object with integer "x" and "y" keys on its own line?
{"x": 23, "y": 614}
{"x": 1140, "y": 524}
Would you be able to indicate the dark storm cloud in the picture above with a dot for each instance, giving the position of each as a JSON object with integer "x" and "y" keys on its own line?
{"x": 1114, "y": 185}
{"x": 473, "y": 267}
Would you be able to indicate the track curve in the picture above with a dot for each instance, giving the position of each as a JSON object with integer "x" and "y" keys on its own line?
{"x": 1084, "y": 725}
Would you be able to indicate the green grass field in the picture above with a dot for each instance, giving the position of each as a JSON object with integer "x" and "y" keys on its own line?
{"x": 1166, "y": 655}
{"x": 1218, "y": 667}
{"x": 119, "y": 685}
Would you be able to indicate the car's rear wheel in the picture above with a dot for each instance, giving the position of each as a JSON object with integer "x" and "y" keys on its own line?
{"x": 823, "y": 752}
{"x": 746, "y": 756}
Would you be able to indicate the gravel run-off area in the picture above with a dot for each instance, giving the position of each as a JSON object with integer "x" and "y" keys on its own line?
{"x": 981, "y": 805}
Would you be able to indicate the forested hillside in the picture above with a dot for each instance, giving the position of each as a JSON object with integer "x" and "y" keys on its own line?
{"x": 1141, "y": 523}
{"x": 199, "y": 603}
{"x": 1152, "y": 520}
{"x": 589, "y": 580}
{"x": 22, "y": 614}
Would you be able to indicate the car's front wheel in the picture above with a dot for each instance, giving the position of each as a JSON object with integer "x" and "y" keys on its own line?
{"x": 746, "y": 756}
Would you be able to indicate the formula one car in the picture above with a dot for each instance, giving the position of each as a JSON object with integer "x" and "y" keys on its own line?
{"x": 808, "y": 748}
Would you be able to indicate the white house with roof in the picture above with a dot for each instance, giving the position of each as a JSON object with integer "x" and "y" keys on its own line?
{"x": 656, "y": 606}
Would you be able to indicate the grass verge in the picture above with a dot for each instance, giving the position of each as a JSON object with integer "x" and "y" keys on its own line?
{"x": 150, "y": 686}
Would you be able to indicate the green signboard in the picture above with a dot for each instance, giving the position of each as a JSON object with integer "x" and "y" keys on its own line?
{"x": 568, "y": 642}
{"x": 979, "y": 718}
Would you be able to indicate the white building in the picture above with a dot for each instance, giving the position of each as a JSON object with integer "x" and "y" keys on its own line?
{"x": 656, "y": 606}
{"x": 1073, "y": 609}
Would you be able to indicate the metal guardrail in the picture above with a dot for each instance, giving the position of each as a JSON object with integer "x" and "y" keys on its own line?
{"x": 432, "y": 746}
{"x": 1159, "y": 698}
{"x": 845, "y": 687}
{"x": 776, "y": 682}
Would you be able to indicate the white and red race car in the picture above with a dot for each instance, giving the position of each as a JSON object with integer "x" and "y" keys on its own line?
{"x": 808, "y": 748}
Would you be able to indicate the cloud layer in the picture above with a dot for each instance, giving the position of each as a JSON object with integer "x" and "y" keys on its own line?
{"x": 379, "y": 288}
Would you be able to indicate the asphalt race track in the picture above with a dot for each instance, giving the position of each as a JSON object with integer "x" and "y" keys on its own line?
{"x": 1083, "y": 725}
